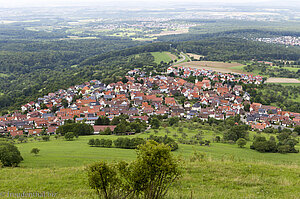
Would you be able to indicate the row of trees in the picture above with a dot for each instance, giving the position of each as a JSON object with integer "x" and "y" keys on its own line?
{"x": 133, "y": 143}
{"x": 285, "y": 144}
{"x": 107, "y": 143}
{"x": 76, "y": 128}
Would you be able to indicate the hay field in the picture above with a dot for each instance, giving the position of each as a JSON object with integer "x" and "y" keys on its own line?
{"x": 216, "y": 66}
{"x": 283, "y": 80}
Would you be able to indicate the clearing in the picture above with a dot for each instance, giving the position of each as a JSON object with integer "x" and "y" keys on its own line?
{"x": 170, "y": 32}
{"x": 195, "y": 56}
{"x": 223, "y": 67}
{"x": 283, "y": 80}
{"x": 163, "y": 56}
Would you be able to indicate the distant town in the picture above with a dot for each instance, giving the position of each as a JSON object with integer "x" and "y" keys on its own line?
{"x": 285, "y": 40}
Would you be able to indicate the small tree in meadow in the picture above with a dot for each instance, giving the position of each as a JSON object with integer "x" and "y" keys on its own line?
{"x": 46, "y": 138}
{"x": 69, "y": 136}
{"x": 241, "y": 142}
{"x": 35, "y": 151}
{"x": 91, "y": 142}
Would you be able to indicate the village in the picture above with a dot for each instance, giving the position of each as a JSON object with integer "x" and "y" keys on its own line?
{"x": 212, "y": 95}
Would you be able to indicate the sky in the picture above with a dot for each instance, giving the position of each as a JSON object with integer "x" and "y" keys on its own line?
{"x": 48, "y": 3}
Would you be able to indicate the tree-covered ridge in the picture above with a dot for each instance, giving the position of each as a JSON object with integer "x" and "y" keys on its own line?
{"x": 226, "y": 49}
{"x": 196, "y": 34}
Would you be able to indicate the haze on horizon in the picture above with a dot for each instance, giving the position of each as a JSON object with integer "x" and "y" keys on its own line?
{"x": 146, "y": 3}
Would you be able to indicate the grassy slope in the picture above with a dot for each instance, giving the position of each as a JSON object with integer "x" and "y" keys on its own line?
{"x": 161, "y": 56}
{"x": 226, "y": 172}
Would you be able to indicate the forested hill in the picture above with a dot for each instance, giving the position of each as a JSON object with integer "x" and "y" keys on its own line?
{"x": 31, "y": 69}
{"x": 161, "y": 46}
{"x": 224, "y": 49}
{"x": 215, "y": 49}
{"x": 195, "y": 35}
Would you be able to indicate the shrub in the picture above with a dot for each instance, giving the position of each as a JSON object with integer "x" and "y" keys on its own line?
{"x": 149, "y": 176}
{"x": 35, "y": 151}
{"x": 91, "y": 142}
{"x": 69, "y": 136}
{"x": 241, "y": 142}
{"x": 46, "y": 138}
{"x": 9, "y": 154}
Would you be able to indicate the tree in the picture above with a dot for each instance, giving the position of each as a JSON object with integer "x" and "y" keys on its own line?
{"x": 102, "y": 120}
{"x": 21, "y": 139}
{"x": 46, "y": 138}
{"x": 236, "y": 132}
{"x": 35, "y": 151}
{"x": 107, "y": 131}
{"x": 104, "y": 179}
{"x": 107, "y": 143}
{"x": 241, "y": 142}
{"x": 173, "y": 120}
{"x": 297, "y": 129}
{"x": 91, "y": 142}
{"x": 97, "y": 142}
{"x": 121, "y": 128}
{"x": 9, "y": 154}
{"x": 149, "y": 176}
{"x": 155, "y": 123}
{"x": 77, "y": 128}
{"x": 156, "y": 169}
{"x": 69, "y": 136}
{"x": 64, "y": 103}
{"x": 218, "y": 138}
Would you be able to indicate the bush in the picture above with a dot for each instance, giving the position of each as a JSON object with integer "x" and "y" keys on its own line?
{"x": 241, "y": 142}
{"x": 106, "y": 131}
{"x": 9, "y": 154}
{"x": 35, "y": 151}
{"x": 149, "y": 176}
{"x": 91, "y": 142}
{"x": 46, "y": 138}
{"x": 69, "y": 136}
{"x": 285, "y": 144}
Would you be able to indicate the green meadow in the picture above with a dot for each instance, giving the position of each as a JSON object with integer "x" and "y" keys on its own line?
{"x": 216, "y": 171}
{"x": 163, "y": 56}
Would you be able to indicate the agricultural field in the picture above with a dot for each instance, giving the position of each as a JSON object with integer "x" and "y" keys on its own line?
{"x": 195, "y": 56}
{"x": 283, "y": 80}
{"x": 219, "y": 170}
{"x": 163, "y": 56}
{"x": 169, "y": 32}
{"x": 223, "y": 67}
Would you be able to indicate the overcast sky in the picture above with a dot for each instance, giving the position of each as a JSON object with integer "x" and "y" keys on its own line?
{"x": 46, "y": 3}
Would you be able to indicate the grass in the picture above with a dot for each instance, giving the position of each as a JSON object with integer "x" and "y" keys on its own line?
{"x": 4, "y": 75}
{"x": 61, "y": 153}
{"x": 162, "y": 56}
{"x": 226, "y": 171}
{"x": 201, "y": 179}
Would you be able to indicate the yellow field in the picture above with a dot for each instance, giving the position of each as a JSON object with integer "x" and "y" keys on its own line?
{"x": 216, "y": 66}
{"x": 282, "y": 80}
{"x": 194, "y": 55}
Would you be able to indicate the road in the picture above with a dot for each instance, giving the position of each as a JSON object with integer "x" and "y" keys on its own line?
{"x": 184, "y": 57}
